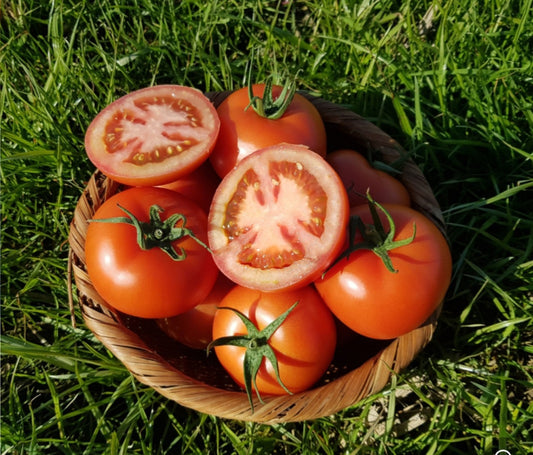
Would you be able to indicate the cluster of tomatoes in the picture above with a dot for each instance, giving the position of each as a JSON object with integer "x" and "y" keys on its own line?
{"x": 237, "y": 232}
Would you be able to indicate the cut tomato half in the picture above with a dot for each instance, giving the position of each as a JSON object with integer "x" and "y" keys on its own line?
{"x": 278, "y": 219}
{"x": 153, "y": 136}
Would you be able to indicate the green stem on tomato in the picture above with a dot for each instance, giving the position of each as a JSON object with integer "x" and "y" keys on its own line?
{"x": 375, "y": 237}
{"x": 267, "y": 106}
{"x": 257, "y": 348}
{"x": 157, "y": 233}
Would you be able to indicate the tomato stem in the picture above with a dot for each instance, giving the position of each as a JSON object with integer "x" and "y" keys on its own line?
{"x": 267, "y": 106}
{"x": 157, "y": 233}
{"x": 257, "y": 348}
{"x": 375, "y": 237}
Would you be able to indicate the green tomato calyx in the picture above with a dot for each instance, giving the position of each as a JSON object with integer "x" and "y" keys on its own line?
{"x": 374, "y": 236}
{"x": 257, "y": 348}
{"x": 267, "y": 106}
{"x": 157, "y": 233}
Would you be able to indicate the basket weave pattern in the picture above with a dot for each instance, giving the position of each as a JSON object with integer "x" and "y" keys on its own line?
{"x": 189, "y": 377}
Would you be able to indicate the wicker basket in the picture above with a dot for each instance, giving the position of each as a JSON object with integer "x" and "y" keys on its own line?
{"x": 193, "y": 380}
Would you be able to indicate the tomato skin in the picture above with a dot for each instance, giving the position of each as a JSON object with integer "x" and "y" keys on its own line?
{"x": 243, "y": 131}
{"x": 261, "y": 226}
{"x": 148, "y": 283}
{"x": 153, "y": 136}
{"x": 194, "y": 328}
{"x": 380, "y": 304}
{"x": 359, "y": 177}
{"x": 304, "y": 343}
{"x": 199, "y": 185}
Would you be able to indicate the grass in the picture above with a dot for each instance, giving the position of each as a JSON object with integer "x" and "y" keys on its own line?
{"x": 452, "y": 81}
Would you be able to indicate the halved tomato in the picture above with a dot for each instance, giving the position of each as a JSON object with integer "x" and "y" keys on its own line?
{"x": 153, "y": 135}
{"x": 278, "y": 219}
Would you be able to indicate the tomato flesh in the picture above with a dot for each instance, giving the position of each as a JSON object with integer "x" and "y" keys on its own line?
{"x": 298, "y": 202}
{"x": 151, "y": 131}
{"x": 278, "y": 219}
{"x": 153, "y": 135}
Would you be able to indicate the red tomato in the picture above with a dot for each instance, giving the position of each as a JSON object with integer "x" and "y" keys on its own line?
{"x": 243, "y": 131}
{"x": 381, "y": 304}
{"x": 304, "y": 343}
{"x": 153, "y": 136}
{"x": 149, "y": 283}
{"x": 359, "y": 177}
{"x": 199, "y": 185}
{"x": 278, "y": 219}
{"x": 194, "y": 328}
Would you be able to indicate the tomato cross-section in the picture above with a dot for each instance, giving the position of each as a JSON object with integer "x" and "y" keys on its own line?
{"x": 278, "y": 219}
{"x": 153, "y": 135}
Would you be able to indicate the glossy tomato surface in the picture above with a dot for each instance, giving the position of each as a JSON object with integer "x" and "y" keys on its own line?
{"x": 148, "y": 283}
{"x": 243, "y": 131}
{"x": 378, "y": 303}
{"x": 194, "y": 328}
{"x": 278, "y": 219}
{"x": 359, "y": 177}
{"x": 153, "y": 135}
{"x": 199, "y": 185}
{"x": 304, "y": 343}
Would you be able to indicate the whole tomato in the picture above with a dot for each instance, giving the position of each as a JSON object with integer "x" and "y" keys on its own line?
{"x": 243, "y": 130}
{"x": 194, "y": 328}
{"x": 359, "y": 177}
{"x": 394, "y": 279}
{"x": 146, "y": 253}
{"x": 303, "y": 343}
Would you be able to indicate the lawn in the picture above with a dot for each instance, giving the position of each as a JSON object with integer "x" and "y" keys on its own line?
{"x": 451, "y": 81}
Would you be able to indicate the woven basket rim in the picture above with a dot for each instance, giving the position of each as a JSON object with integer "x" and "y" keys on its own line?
{"x": 153, "y": 369}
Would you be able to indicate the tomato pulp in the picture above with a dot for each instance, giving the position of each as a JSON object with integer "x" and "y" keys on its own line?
{"x": 278, "y": 219}
{"x": 153, "y": 135}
